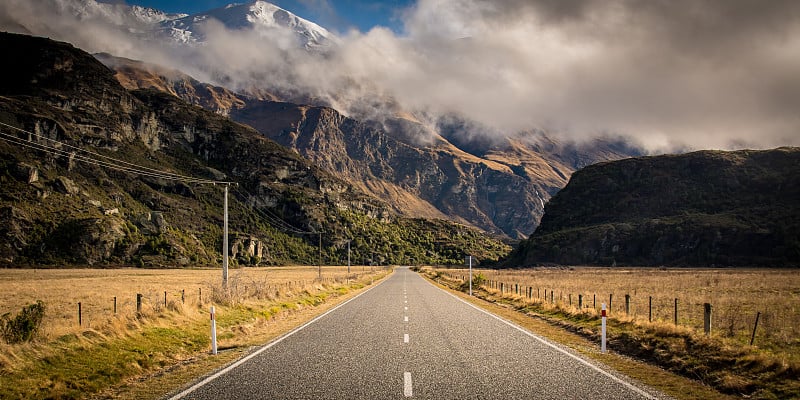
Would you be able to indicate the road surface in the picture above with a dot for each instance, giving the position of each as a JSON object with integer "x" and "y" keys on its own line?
{"x": 406, "y": 338}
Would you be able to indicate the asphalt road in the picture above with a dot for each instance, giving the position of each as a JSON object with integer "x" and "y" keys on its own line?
{"x": 408, "y": 338}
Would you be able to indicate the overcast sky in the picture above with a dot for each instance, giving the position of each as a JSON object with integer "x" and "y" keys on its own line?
{"x": 669, "y": 74}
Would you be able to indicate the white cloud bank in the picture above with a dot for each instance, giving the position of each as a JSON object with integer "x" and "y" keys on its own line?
{"x": 667, "y": 74}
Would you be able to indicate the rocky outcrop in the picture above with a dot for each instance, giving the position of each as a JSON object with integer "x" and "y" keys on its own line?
{"x": 708, "y": 208}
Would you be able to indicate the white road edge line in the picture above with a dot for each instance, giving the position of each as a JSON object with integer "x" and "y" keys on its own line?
{"x": 263, "y": 349}
{"x": 553, "y": 346}
{"x": 408, "y": 387}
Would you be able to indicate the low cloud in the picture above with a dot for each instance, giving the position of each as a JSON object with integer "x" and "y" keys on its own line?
{"x": 666, "y": 74}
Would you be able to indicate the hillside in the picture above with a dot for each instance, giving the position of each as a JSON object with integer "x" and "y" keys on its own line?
{"x": 498, "y": 186}
{"x": 59, "y": 210}
{"x": 707, "y": 208}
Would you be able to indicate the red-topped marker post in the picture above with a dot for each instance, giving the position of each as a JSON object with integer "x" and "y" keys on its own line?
{"x": 603, "y": 329}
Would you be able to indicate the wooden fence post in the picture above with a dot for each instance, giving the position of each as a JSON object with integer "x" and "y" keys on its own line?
{"x": 610, "y": 297}
{"x": 650, "y": 310}
{"x": 80, "y": 317}
{"x": 115, "y": 305}
{"x": 580, "y": 301}
{"x": 138, "y": 303}
{"x": 676, "y": 311}
{"x": 707, "y": 318}
{"x": 753, "y": 338}
{"x": 627, "y": 305}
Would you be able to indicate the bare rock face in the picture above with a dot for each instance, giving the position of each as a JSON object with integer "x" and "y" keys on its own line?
{"x": 250, "y": 250}
{"x": 13, "y": 238}
{"x": 66, "y": 186}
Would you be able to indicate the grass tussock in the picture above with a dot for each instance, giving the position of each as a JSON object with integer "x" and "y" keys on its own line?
{"x": 66, "y": 360}
{"x": 718, "y": 360}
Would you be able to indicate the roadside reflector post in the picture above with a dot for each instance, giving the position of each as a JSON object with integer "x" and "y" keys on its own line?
{"x": 603, "y": 329}
{"x": 469, "y": 259}
{"x": 213, "y": 331}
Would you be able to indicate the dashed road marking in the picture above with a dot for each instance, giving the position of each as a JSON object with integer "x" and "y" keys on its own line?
{"x": 405, "y": 338}
{"x": 408, "y": 388}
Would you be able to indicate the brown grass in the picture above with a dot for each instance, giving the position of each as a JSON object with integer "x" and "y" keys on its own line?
{"x": 736, "y": 295}
{"x": 95, "y": 289}
{"x": 723, "y": 360}
{"x": 63, "y": 361}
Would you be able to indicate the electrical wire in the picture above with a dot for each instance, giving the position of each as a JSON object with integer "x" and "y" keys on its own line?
{"x": 86, "y": 157}
{"x": 274, "y": 220}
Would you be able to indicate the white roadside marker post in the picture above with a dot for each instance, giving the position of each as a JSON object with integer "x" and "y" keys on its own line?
{"x": 603, "y": 329}
{"x": 470, "y": 275}
{"x": 213, "y": 331}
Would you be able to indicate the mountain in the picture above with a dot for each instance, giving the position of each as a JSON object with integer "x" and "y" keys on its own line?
{"x": 499, "y": 186}
{"x": 421, "y": 171}
{"x": 69, "y": 133}
{"x": 261, "y": 16}
{"x": 270, "y": 21}
{"x": 707, "y": 208}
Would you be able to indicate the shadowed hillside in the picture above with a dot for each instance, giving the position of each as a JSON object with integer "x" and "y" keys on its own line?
{"x": 708, "y": 208}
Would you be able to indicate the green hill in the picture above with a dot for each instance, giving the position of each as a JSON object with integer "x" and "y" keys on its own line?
{"x": 707, "y": 208}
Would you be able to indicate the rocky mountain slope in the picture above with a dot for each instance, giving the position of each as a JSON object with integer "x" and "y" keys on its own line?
{"x": 498, "y": 186}
{"x": 708, "y": 208}
{"x": 69, "y": 127}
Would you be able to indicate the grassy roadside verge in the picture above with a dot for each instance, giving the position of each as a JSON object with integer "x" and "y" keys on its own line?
{"x": 153, "y": 354}
{"x": 673, "y": 360}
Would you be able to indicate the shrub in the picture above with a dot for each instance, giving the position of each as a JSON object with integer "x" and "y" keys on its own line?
{"x": 24, "y": 326}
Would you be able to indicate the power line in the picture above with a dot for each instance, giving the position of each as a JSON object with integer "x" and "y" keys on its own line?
{"x": 275, "y": 220}
{"x": 86, "y": 156}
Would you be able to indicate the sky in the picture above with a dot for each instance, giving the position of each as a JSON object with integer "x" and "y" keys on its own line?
{"x": 665, "y": 74}
{"x": 336, "y": 15}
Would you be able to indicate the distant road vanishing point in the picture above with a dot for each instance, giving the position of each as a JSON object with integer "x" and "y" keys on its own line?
{"x": 406, "y": 338}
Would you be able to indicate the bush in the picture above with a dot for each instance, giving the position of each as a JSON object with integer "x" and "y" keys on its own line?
{"x": 24, "y": 326}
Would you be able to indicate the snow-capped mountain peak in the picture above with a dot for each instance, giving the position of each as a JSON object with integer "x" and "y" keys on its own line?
{"x": 259, "y": 15}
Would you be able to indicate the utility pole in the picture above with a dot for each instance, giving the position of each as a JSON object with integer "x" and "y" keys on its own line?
{"x": 225, "y": 240}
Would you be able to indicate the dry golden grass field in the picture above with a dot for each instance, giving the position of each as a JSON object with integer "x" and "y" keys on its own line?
{"x": 62, "y": 290}
{"x": 737, "y": 297}
{"x": 722, "y": 360}
{"x": 109, "y": 351}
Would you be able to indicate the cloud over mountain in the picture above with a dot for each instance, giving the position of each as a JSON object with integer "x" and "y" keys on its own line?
{"x": 677, "y": 74}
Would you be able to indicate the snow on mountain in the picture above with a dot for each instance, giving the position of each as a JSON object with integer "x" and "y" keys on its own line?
{"x": 114, "y": 13}
{"x": 261, "y": 16}
{"x": 151, "y": 15}
{"x": 266, "y": 19}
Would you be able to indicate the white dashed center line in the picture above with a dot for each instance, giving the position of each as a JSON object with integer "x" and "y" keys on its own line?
{"x": 405, "y": 319}
{"x": 408, "y": 388}
{"x": 405, "y": 338}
